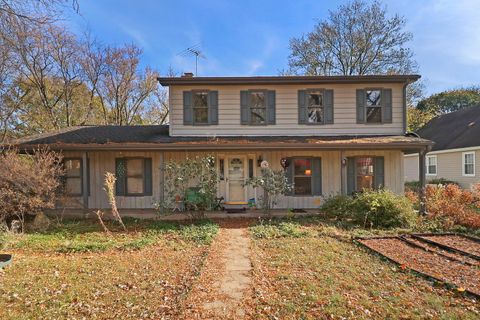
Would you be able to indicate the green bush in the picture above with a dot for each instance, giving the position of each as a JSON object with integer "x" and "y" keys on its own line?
{"x": 415, "y": 185}
{"x": 337, "y": 207}
{"x": 382, "y": 209}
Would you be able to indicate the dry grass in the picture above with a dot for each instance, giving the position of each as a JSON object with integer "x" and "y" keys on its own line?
{"x": 316, "y": 272}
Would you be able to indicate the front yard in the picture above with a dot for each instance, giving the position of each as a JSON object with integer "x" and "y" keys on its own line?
{"x": 304, "y": 268}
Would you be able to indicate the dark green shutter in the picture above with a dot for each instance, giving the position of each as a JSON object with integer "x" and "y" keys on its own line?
{"x": 351, "y": 176}
{"x": 316, "y": 176}
{"x": 328, "y": 100}
{"x": 302, "y": 106}
{"x": 120, "y": 173}
{"x": 244, "y": 112}
{"x": 360, "y": 106}
{"x": 379, "y": 172}
{"x": 289, "y": 173}
{"x": 187, "y": 108}
{"x": 387, "y": 105}
{"x": 147, "y": 187}
{"x": 213, "y": 107}
{"x": 270, "y": 107}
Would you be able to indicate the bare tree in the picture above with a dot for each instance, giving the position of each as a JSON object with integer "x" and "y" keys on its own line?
{"x": 356, "y": 39}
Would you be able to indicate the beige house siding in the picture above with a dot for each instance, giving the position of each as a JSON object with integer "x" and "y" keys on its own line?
{"x": 345, "y": 122}
{"x": 449, "y": 166}
{"x": 103, "y": 161}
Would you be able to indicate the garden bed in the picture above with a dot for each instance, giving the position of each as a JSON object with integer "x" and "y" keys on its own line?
{"x": 448, "y": 268}
{"x": 467, "y": 245}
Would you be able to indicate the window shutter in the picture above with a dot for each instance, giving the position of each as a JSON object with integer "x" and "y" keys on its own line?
{"x": 302, "y": 107}
{"x": 360, "y": 106}
{"x": 387, "y": 105}
{"x": 351, "y": 175}
{"x": 244, "y": 114}
{"x": 379, "y": 172}
{"x": 213, "y": 107}
{"x": 328, "y": 99}
{"x": 317, "y": 176}
{"x": 187, "y": 108}
{"x": 147, "y": 188}
{"x": 120, "y": 172}
{"x": 289, "y": 174}
{"x": 270, "y": 107}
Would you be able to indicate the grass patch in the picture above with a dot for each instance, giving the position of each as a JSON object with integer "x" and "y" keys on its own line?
{"x": 324, "y": 273}
{"x": 88, "y": 236}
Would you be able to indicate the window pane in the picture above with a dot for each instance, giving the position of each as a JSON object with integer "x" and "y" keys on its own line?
{"x": 200, "y": 100}
{"x": 469, "y": 158}
{"x": 365, "y": 166}
{"x": 374, "y": 114}
{"x": 302, "y": 167}
{"x": 73, "y": 167}
{"x": 315, "y": 115}
{"x": 134, "y": 185}
{"x": 258, "y": 116}
{"x": 134, "y": 167}
{"x": 373, "y": 97}
{"x": 432, "y": 169}
{"x": 257, "y": 100}
{"x": 315, "y": 99}
{"x": 73, "y": 185}
{"x": 200, "y": 115}
{"x": 303, "y": 185}
{"x": 364, "y": 182}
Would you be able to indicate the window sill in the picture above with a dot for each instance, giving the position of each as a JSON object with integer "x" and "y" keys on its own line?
{"x": 468, "y": 175}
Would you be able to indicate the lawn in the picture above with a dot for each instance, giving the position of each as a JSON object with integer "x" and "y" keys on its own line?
{"x": 74, "y": 270}
{"x": 310, "y": 269}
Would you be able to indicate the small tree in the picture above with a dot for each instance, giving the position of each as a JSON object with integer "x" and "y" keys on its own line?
{"x": 274, "y": 183}
{"x": 29, "y": 183}
{"x": 109, "y": 188}
{"x": 198, "y": 174}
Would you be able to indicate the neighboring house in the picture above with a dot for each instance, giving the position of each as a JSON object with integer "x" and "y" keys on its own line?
{"x": 456, "y": 153}
{"x": 337, "y": 133}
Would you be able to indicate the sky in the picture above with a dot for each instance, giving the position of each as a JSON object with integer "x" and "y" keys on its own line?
{"x": 245, "y": 37}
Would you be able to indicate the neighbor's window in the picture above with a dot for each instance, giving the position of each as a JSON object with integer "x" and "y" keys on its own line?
{"x": 431, "y": 163}
{"x": 365, "y": 177}
{"x": 200, "y": 107}
{"x": 302, "y": 176}
{"x": 315, "y": 107}
{"x": 469, "y": 163}
{"x": 258, "y": 107}
{"x": 135, "y": 176}
{"x": 73, "y": 176}
{"x": 373, "y": 106}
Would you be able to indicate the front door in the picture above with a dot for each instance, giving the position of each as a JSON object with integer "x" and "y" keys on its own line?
{"x": 236, "y": 179}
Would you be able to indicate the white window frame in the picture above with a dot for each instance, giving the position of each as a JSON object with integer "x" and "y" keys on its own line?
{"x": 463, "y": 164}
{"x": 427, "y": 164}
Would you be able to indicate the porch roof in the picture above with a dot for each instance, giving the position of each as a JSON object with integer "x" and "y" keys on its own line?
{"x": 156, "y": 137}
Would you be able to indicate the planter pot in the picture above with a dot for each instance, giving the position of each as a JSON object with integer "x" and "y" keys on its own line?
{"x": 5, "y": 259}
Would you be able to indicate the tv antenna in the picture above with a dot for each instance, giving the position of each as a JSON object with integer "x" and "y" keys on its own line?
{"x": 193, "y": 51}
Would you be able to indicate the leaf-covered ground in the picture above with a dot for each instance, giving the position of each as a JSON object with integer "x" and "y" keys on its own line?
{"x": 75, "y": 271}
{"x": 314, "y": 271}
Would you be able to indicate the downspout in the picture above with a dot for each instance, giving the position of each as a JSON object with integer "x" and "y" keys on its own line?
{"x": 404, "y": 93}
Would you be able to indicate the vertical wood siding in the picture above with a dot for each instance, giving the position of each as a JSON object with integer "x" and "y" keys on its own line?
{"x": 229, "y": 124}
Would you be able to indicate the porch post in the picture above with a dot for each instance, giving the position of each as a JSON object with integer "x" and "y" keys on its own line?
{"x": 422, "y": 179}
{"x": 162, "y": 177}
{"x": 85, "y": 179}
{"x": 342, "y": 173}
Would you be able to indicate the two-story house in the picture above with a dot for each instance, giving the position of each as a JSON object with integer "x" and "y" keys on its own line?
{"x": 333, "y": 134}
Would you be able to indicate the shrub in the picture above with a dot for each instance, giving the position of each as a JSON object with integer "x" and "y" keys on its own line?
{"x": 274, "y": 229}
{"x": 382, "y": 209}
{"x": 337, "y": 207}
{"x": 415, "y": 185}
{"x": 29, "y": 183}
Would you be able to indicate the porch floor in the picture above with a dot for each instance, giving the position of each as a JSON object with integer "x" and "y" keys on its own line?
{"x": 178, "y": 216}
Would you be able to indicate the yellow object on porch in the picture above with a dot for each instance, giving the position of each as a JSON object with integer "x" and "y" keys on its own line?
{"x": 236, "y": 202}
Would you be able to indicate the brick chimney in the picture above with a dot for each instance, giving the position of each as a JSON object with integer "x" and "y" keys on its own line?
{"x": 187, "y": 75}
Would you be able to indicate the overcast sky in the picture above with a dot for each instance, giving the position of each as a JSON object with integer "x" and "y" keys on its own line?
{"x": 248, "y": 37}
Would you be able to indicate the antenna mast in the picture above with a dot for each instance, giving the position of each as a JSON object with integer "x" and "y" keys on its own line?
{"x": 193, "y": 51}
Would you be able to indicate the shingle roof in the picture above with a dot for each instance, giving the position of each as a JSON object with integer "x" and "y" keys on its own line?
{"x": 458, "y": 129}
{"x": 157, "y": 137}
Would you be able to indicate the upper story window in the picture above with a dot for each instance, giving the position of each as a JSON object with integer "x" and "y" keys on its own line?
{"x": 200, "y": 107}
{"x": 374, "y": 106}
{"x": 468, "y": 163}
{"x": 431, "y": 163}
{"x": 315, "y": 106}
{"x": 257, "y": 107}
